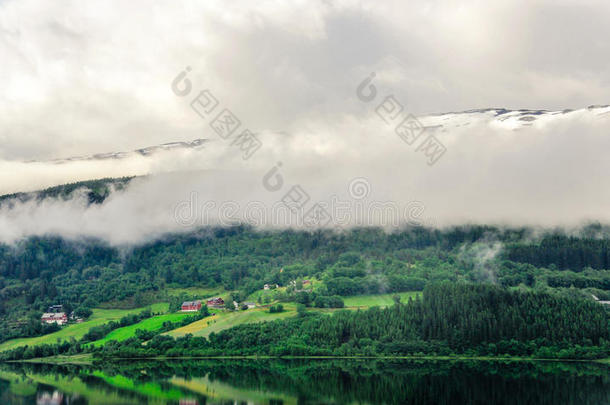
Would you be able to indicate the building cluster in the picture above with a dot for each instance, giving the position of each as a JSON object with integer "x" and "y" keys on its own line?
{"x": 250, "y": 305}
{"x": 55, "y": 314}
{"x": 217, "y": 302}
{"x": 59, "y": 318}
{"x": 293, "y": 283}
{"x": 304, "y": 283}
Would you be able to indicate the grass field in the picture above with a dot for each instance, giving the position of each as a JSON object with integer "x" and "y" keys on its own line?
{"x": 194, "y": 327}
{"x": 270, "y": 294}
{"x": 78, "y": 330}
{"x": 150, "y": 324}
{"x": 379, "y": 300}
{"x": 226, "y": 320}
{"x": 215, "y": 323}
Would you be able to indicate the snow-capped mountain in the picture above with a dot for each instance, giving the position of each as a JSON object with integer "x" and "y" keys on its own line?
{"x": 365, "y": 138}
{"x": 500, "y": 118}
{"x": 147, "y": 151}
{"x": 503, "y": 118}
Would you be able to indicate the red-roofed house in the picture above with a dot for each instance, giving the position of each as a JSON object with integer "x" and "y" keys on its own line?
{"x": 216, "y": 302}
{"x": 191, "y": 306}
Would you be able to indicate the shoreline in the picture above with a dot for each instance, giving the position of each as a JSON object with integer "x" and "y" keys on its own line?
{"x": 88, "y": 359}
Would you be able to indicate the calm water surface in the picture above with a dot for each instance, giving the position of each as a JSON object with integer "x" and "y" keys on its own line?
{"x": 274, "y": 382}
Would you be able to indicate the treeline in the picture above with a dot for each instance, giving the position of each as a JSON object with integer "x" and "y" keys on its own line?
{"x": 96, "y": 191}
{"x": 599, "y": 279}
{"x": 178, "y": 258}
{"x": 563, "y": 252}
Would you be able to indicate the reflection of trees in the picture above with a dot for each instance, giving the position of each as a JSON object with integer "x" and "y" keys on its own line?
{"x": 377, "y": 381}
{"x": 399, "y": 382}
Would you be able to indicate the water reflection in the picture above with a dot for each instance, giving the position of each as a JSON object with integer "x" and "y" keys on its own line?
{"x": 49, "y": 398}
{"x": 272, "y": 382}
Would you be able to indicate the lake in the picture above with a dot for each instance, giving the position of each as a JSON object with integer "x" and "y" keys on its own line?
{"x": 312, "y": 381}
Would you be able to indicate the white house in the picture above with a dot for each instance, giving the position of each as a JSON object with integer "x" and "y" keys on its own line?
{"x": 59, "y": 318}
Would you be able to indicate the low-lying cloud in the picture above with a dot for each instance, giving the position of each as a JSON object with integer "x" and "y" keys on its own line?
{"x": 547, "y": 170}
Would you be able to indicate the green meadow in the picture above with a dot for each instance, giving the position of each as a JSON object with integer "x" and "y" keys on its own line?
{"x": 78, "y": 330}
{"x": 226, "y": 320}
{"x": 150, "y": 324}
{"x": 378, "y": 300}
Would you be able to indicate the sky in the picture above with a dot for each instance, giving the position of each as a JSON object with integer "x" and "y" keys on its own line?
{"x": 81, "y": 78}
{"x": 84, "y": 77}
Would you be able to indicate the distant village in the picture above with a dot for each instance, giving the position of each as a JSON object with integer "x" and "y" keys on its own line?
{"x": 219, "y": 303}
{"x": 56, "y": 314}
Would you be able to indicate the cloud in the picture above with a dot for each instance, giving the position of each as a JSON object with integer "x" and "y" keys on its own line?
{"x": 515, "y": 168}
{"x": 481, "y": 256}
{"x": 168, "y": 157}
{"x": 83, "y": 78}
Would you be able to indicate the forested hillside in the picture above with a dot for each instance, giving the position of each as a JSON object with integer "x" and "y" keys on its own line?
{"x": 95, "y": 190}
{"x": 450, "y": 319}
{"x": 42, "y": 271}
